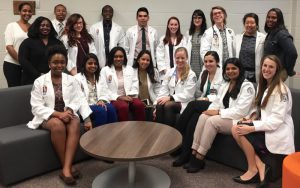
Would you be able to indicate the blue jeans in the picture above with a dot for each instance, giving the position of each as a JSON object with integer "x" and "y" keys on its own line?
{"x": 100, "y": 116}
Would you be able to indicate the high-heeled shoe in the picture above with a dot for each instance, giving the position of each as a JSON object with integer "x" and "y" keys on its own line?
{"x": 254, "y": 179}
{"x": 264, "y": 183}
{"x": 195, "y": 165}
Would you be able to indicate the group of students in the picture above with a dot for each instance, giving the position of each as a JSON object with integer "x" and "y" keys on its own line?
{"x": 113, "y": 72}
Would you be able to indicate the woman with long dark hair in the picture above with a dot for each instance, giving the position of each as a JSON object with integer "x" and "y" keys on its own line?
{"x": 168, "y": 44}
{"x": 78, "y": 42}
{"x": 103, "y": 111}
{"x": 232, "y": 103}
{"x": 197, "y": 28}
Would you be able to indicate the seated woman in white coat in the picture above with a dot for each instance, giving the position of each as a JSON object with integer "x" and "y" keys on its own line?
{"x": 149, "y": 83}
{"x": 78, "y": 42}
{"x": 122, "y": 86}
{"x": 55, "y": 105}
{"x": 271, "y": 131}
{"x": 249, "y": 47}
{"x": 103, "y": 111}
{"x": 207, "y": 88}
{"x": 168, "y": 44}
{"x": 177, "y": 90}
{"x": 233, "y": 102}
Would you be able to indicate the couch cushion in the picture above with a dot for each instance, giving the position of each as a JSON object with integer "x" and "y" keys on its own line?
{"x": 15, "y": 106}
{"x": 25, "y": 153}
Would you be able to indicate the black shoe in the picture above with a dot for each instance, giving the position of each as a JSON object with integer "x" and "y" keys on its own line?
{"x": 183, "y": 158}
{"x": 176, "y": 152}
{"x": 265, "y": 182}
{"x": 254, "y": 179}
{"x": 186, "y": 165}
{"x": 195, "y": 165}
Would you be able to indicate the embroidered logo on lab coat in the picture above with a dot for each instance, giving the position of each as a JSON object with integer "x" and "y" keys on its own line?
{"x": 284, "y": 97}
{"x": 109, "y": 78}
{"x": 250, "y": 90}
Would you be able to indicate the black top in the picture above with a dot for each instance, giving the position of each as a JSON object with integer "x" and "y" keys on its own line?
{"x": 226, "y": 100}
{"x": 171, "y": 49}
{"x": 280, "y": 43}
{"x": 247, "y": 52}
{"x": 32, "y": 57}
{"x": 83, "y": 50}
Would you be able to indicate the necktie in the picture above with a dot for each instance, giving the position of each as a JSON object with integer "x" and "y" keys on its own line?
{"x": 143, "y": 39}
{"x": 60, "y": 29}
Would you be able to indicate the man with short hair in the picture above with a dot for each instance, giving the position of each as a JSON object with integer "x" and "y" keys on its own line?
{"x": 59, "y": 23}
{"x": 107, "y": 34}
{"x": 141, "y": 37}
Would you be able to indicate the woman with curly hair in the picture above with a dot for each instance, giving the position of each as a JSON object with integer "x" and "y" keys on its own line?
{"x": 41, "y": 35}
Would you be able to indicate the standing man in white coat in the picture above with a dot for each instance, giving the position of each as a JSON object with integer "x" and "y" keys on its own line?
{"x": 141, "y": 37}
{"x": 59, "y": 23}
{"x": 107, "y": 34}
{"x": 219, "y": 37}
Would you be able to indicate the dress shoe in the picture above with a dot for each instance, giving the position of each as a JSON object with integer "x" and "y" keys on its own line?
{"x": 176, "y": 153}
{"x": 195, "y": 165}
{"x": 183, "y": 158}
{"x": 254, "y": 179}
{"x": 76, "y": 174}
{"x": 186, "y": 165}
{"x": 67, "y": 180}
{"x": 264, "y": 183}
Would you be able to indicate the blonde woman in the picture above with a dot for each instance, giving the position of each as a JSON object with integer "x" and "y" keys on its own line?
{"x": 177, "y": 90}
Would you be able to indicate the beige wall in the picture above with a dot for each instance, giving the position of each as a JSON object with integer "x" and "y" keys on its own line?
{"x": 159, "y": 13}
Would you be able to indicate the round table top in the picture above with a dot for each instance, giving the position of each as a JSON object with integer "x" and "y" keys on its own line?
{"x": 130, "y": 141}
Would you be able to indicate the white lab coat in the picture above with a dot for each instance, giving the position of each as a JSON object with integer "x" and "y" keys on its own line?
{"x": 188, "y": 44}
{"x": 239, "y": 107}
{"x": 208, "y": 43}
{"x": 259, "y": 50}
{"x": 101, "y": 95}
{"x": 153, "y": 88}
{"x": 163, "y": 55}
{"x": 117, "y": 38}
{"x": 43, "y": 98}
{"x": 131, "y": 39}
{"x": 276, "y": 121}
{"x": 109, "y": 81}
{"x": 72, "y": 52}
{"x": 182, "y": 91}
{"x": 215, "y": 85}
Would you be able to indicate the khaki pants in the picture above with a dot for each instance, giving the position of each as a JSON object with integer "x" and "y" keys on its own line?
{"x": 206, "y": 130}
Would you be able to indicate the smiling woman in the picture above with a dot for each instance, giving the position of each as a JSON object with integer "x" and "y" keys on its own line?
{"x": 32, "y": 50}
{"x": 15, "y": 33}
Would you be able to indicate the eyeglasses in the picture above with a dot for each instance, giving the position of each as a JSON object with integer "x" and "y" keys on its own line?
{"x": 197, "y": 17}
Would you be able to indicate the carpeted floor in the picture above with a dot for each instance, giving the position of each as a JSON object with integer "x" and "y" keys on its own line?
{"x": 213, "y": 176}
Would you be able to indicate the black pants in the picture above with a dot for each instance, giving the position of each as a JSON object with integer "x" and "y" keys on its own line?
{"x": 12, "y": 73}
{"x": 187, "y": 122}
{"x": 166, "y": 113}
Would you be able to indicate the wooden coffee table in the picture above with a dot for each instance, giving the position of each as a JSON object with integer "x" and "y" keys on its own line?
{"x": 131, "y": 141}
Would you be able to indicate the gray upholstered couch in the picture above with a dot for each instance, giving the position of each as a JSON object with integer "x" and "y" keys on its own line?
{"x": 226, "y": 151}
{"x": 23, "y": 152}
